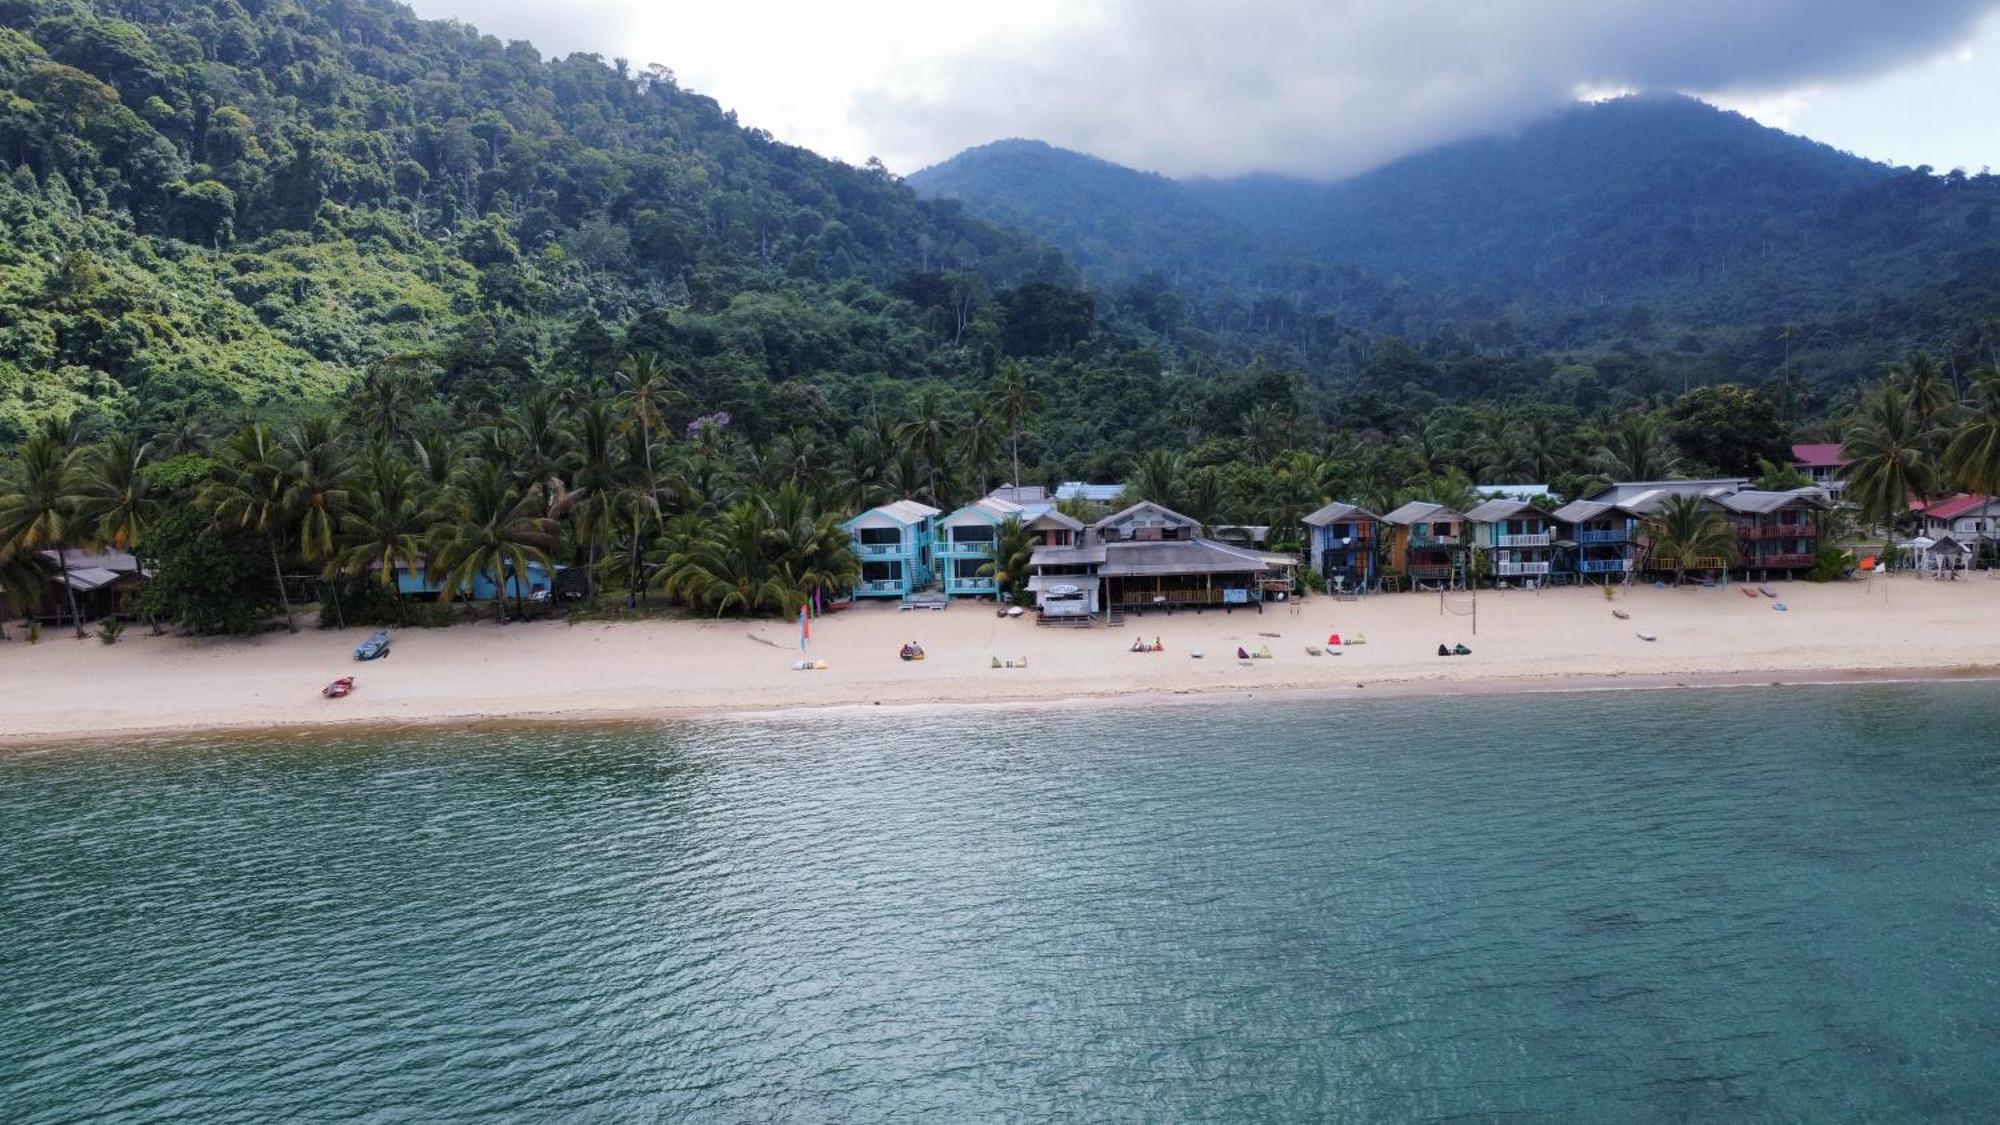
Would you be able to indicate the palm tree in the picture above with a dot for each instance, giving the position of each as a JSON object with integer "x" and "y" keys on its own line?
{"x": 316, "y": 487}
{"x": 1205, "y": 496}
{"x": 1158, "y": 477}
{"x": 1636, "y": 449}
{"x": 1689, "y": 527}
{"x": 1972, "y": 457}
{"x": 594, "y": 440}
{"x": 929, "y": 431}
{"x": 643, "y": 391}
{"x": 1888, "y": 458}
{"x": 386, "y": 526}
{"x": 1014, "y": 398}
{"x": 1925, "y": 386}
{"x": 118, "y": 501}
{"x": 249, "y": 491}
{"x": 41, "y": 502}
{"x": 24, "y": 581}
{"x": 732, "y": 566}
{"x": 1013, "y": 548}
{"x": 492, "y": 528}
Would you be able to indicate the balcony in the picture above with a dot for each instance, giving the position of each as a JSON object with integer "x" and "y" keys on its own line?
{"x": 1540, "y": 539}
{"x": 1616, "y": 535}
{"x": 1604, "y": 566}
{"x": 1521, "y": 569}
{"x": 980, "y": 547}
{"x": 986, "y": 585}
{"x": 1429, "y": 540}
{"x": 883, "y": 550}
{"x": 1775, "y": 531}
{"x": 879, "y": 588}
{"x": 1784, "y": 561}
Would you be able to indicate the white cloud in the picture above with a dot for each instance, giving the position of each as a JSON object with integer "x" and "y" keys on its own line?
{"x": 1311, "y": 87}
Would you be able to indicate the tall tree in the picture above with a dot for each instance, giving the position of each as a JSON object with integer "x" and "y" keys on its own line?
{"x": 492, "y": 528}
{"x": 1013, "y": 396}
{"x": 41, "y": 502}
{"x": 1689, "y": 527}
{"x": 1889, "y": 459}
{"x": 1972, "y": 455}
{"x": 250, "y": 490}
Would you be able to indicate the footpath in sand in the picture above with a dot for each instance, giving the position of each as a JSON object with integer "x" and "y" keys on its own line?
{"x": 1883, "y": 628}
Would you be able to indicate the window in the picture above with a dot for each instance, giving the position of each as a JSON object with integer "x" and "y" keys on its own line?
{"x": 882, "y": 572}
{"x": 881, "y": 536}
{"x": 967, "y": 568}
{"x": 979, "y": 536}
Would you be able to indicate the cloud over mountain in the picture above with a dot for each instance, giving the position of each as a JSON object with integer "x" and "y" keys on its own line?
{"x": 1329, "y": 87}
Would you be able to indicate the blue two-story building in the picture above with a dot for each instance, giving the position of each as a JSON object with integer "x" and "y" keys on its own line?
{"x": 1599, "y": 540}
{"x": 1345, "y": 543}
{"x": 894, "y": 545}
{"x": 966, "y": 540}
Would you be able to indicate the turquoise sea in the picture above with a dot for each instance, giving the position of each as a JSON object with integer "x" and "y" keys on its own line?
{"x": 1771, "y": 904}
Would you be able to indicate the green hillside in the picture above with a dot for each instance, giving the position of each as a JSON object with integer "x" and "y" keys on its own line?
{"x": 212, "y": 204}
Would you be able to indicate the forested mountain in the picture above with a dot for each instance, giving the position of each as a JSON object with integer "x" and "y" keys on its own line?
{"x": 208, "y": 203}
{"x": 1644, "y": 221}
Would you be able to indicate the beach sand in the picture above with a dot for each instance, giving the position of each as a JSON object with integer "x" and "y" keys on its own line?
{"x": 1884, "y": 628}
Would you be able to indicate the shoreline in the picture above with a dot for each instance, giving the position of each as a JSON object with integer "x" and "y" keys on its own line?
{"x": 656, "y": 671}
{"x": 1362, "y": 691}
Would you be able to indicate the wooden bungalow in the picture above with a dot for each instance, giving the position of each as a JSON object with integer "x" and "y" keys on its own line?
{"x": 1429, "y": 543}
{"x": 1596, "y": 541}
{"x": 103, "y": 581}
{"x": 1776, "y": 531}
{"x": 1345, "y": 542}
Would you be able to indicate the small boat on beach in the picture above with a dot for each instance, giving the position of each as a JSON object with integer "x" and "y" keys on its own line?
{"x": 1621, "y": 615}
{"x": 1645, "y": 636}
{"x": 375, "y": 647}
{"x": 339, "y": 688}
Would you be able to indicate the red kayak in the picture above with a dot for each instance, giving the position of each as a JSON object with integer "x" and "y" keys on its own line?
{"x": 338, "y": 688}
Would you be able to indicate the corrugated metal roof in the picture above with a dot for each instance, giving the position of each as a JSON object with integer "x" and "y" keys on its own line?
{"x": 84, "y": 579}
{"x": 1055, "y": 518}
{"x": 909, "y": 513}
{"x": 1755, "y": 502}
{"x": 1622, "y": 491}
{"x": 1145, "y": 505}
{"x": 1338, "y": 512}
{"x": 1818, "y": 455}
{"x": 1067, "y": 556}
{"x": 1511, "y": 491}
{"x": 1421, "y": 511}
{"x": 1954, "y": 506}
{"x": 1493, "y": 511}
{"x": 1094, "y": 493}
{"x": 1179, "y": 556}
{"x": 1583, "y": 511}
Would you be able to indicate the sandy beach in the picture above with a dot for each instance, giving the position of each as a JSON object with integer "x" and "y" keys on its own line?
{"x": 1887, "y": 628}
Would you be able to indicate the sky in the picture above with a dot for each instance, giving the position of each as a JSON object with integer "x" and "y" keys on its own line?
{"x": 1314, "y": 88}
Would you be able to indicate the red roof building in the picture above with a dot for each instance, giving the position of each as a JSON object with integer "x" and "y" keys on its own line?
{"x": 1821, "y": 462}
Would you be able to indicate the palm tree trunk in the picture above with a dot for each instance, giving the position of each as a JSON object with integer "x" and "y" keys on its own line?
{"x": 1016, "y": 482}
{"x": 75, "y": 618}
{"x": 278, "y": 573}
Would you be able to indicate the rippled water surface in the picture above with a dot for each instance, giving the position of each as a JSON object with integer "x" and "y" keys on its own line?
{"x": 1655, "y": 906}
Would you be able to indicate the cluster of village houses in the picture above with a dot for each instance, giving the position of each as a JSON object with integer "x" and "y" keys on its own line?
{"x": 1144, "y": 556}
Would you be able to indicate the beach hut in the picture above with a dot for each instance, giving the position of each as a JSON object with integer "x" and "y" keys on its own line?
{"x": 1595, "y": 540}
{"x": 1429, "y": 543}
{"x": 1345, "y": 542}
{"x": 1776, "y": 532}
{"x": 103, "y": 582}
{"x": 965, "y": 544}
{"x": 893, "y": 543}
{"x": 1516, "y": 538}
